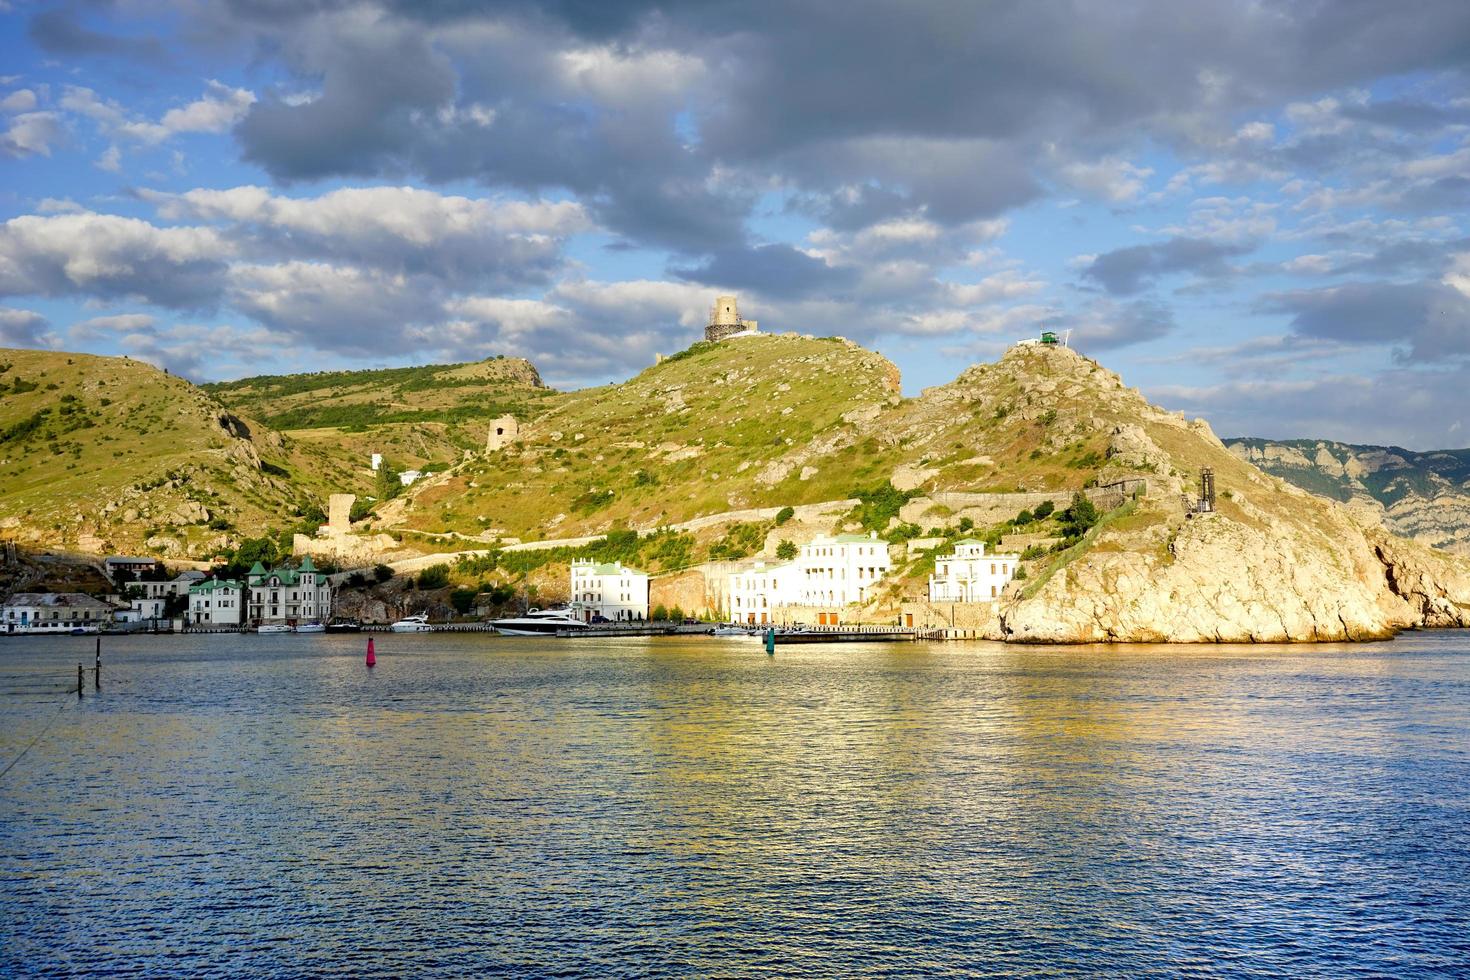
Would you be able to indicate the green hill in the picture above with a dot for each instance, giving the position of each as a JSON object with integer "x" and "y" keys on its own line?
{"x": 414, "y": 416}
{"x": 111, "y": 454}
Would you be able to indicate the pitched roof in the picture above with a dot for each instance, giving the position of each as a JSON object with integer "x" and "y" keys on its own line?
{"x": 212, "y": 585}
{"x": 75, "y": 600}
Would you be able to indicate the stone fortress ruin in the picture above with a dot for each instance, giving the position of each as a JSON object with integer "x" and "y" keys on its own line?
{"x": 503, "y": 431}
{"x": 725, "y": 321}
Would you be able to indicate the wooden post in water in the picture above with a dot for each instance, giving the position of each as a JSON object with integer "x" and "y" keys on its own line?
{"x": 97, "y": 670}
{"x": 79, "y": 678}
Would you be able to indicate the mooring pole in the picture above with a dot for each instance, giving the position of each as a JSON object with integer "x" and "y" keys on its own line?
{"x": 79, "y": 678}
{"x": 97, "y": 670}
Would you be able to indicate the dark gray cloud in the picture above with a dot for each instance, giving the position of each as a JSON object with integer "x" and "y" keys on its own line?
{"x": 22, "y": 328}
{"x": 1429, "y": 321}
{"x": 60, "y": 31}
{"x": 775, "y": 270}
{"x": 1124, "y": 271}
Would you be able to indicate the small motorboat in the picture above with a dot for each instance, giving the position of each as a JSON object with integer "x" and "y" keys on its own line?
{"x": 539, "y": 622}
{"x": 310, "y": 628}
{"x": 272, "y": 628}
{"x": 731, "y": 631}
{"x": 411, "y": 624}
{"x": 344, "y": 626}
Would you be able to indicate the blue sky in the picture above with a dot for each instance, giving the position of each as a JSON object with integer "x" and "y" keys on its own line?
{"x": 1255, "y": 212}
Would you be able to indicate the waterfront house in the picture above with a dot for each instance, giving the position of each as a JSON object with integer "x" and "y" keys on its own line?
{"x": 969, "y": 575}
{"x": 216, "y": 602}
{"x": 756, "y": 592}
{"x": 53, "y": 612}
{"x": 827, "y": 574}
{"x": 613, "y": 591}
{"x": 288, "y": 595}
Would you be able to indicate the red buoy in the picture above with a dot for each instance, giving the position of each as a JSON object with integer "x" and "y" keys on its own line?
{"x": 371, "y": 659}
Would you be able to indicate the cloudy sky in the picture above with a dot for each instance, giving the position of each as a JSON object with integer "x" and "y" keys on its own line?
{"x": 1257, "y": 212}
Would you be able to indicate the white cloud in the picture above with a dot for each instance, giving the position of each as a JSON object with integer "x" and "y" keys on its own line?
{"x": 1111, "y": 179}
{"x": 108, "y": 256}
{"x": 31, "y": 134}
{"x": 21, "y": 100}
{"x": 23, "y": 328}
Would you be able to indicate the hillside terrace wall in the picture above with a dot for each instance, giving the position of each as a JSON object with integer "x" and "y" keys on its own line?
{"x": 990, "y": 508}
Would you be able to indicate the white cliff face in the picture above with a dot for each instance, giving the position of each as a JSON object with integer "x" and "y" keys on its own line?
{"x": 1273, "y": 564}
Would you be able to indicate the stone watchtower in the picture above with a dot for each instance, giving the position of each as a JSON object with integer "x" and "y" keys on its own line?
{"x": 725, "y": 321}
{"x": 503, "y": 431}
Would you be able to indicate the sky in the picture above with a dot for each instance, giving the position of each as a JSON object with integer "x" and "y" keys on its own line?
{"x": 1255, "y": 212}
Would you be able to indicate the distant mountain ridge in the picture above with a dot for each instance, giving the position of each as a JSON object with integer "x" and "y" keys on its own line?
{"x": 1421, "y": 495}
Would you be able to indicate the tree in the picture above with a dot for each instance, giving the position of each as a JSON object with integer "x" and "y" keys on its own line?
{"x": 1078, "y": 518}
{"x": 966, "y": 525}
{"x": 357, "y": 580}
{"x": 1025, "y": 517}
{"x": 785, "y": 551}
{"x": 463, "y": 600}
{"x": 1044, "y": 511}
{"x": 382, "y": 573}
{"x": 434, "y": 577}
{"x": 676, "y": 614}
{"x": 659, "y": 612}
{"x": 252, "y": 550}
{"x": 784, "y": 514}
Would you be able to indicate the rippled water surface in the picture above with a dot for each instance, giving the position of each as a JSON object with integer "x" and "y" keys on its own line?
{"x": 477, "y": 805}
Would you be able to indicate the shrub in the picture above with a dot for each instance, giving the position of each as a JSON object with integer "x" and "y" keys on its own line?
{"x": 785, "y": 551}
{"x": 1044, "y": 511}
{"x": 1023, "y": 518}
{"x": 1020, "y": 575}
{"x": 463, "y": 600}
{"x": 676, "y": 614}
{"x": 784, "y": 514}
{"x": 382, "y": 573}
{"x": 434, "y": 577}
{"x": 660, "y": 612}
{"x": 1077, "y": 518}
{"x": 966, "y": 524}
{"x": 357, "y": 580}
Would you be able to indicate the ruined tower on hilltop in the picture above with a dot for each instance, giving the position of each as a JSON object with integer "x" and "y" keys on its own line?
{"x": 725, "y": 321}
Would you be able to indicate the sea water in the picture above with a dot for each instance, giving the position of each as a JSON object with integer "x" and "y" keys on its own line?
{"x": 476, "y": 805}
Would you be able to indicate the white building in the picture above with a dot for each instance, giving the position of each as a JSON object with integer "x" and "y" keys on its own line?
{"x": 969, "y": 575}
{"x": 142, "y": 610}
{"x": 614, "y": 591}
{"x": 53, "y": 612}
{"x": 178, "y": 585}
{"x": 288, "y": 595}
{"x": 827, "y": 574}
{"x": 758, "y": 591}
{"x": 217, "y": 602}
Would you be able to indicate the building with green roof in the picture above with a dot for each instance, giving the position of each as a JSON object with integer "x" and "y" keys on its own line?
{"x": 611, "y": 591}
{"x": 217, "y": 602}
{"x": 287, "y": 595}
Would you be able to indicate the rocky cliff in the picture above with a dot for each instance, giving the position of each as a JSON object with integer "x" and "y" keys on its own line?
{"x": 1425, "y": 495}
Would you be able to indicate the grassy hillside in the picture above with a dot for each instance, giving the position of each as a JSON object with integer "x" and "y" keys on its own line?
{"x": 1420, "y": 495}
{"x": 412, "y": 415}
{"x": 104, "y": 453}
{"x": 762, "y": 421}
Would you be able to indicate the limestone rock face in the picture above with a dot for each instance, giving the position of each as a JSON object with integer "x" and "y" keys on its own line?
{"x": 1220, "y": 580}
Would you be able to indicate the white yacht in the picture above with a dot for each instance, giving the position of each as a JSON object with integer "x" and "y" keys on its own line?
{"x": 272, "y": 628}
{"x": 411, "y": 624}
{"x": 311, "y": 628}
{"x": 539, "y": 622}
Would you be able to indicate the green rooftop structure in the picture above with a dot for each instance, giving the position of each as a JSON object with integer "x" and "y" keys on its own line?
{"x": 1049, "y": 337}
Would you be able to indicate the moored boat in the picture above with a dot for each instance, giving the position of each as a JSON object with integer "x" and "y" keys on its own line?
{"x": 539, "y": 622}
{"x": 310, "y": 628}
{"x": 272, "y": 628}
{"x": 411, "y": 624}
{"x": 344, "y": 626}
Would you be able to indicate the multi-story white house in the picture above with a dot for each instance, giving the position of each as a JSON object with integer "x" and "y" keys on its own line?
{"x": 828, "y": 573}
{"x": 216, "y": 602}
{"x": 612, "y": 591}
{"x": 178, "y": 585}
{"x": 841, "y": 570}
{"x": 288, "y": 595}
{"x": 756, "y": 592}
{"x": 969, "y": 575}
{"x": 53, "y": 612}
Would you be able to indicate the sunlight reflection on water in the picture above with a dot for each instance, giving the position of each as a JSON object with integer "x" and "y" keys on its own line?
{"x": 476, "y": 804}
